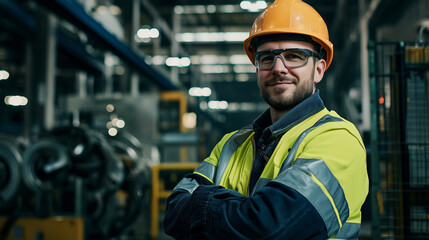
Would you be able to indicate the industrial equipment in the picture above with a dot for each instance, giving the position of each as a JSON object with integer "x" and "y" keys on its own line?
{"x": 400, "y": 140}
{"x": 97, "y": 183}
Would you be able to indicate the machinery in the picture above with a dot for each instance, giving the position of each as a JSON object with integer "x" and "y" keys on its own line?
{"x": 76, "y": 178}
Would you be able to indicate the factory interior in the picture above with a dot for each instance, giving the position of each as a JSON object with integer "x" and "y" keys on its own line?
{"x": 107, "y": 104}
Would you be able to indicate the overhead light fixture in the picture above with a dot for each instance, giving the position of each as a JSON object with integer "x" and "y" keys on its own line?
{"x": 218, "y": 104}
{"x": 178, "y": 62}
{"x": 148, "y": 33}
{"x": 215, "y": 69}
{"x": 4, "y": 75}
{"x": 212, "y": 37}
{"x": 204, "y": 9}
{"x": 155, "y": 60}
{"x": 253, "y": 6}
{"x": 209, "y": 59}
{"x": 244, "y": 69}
{"x": 16, "y": 100}
{"x": 200, "y": 92}
{"x": 145, "y": 34}
{"x": 233, "y": 106}
{"x": 169, "y": 61}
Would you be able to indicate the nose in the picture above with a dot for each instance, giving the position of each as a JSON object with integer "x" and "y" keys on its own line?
{"x": 279, "y": 66}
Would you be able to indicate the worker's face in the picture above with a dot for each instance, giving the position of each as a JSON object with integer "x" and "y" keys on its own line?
{"x": 284, "y": 88}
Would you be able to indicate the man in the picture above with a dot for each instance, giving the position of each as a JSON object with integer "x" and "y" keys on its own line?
{"x": 300, "y": 171}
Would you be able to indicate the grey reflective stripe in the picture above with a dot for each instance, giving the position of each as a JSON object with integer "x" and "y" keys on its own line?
{"x": 329, "y": 181}
{"x": 288, "y": 161}
{"x": 187, "y": 184}
{"x": 348, "y": 231}
{"x": 299, "y": 177}
{"x": 228, "y": 149}
{"x": 292, "y": 152}
{"x": 207, "y": 169}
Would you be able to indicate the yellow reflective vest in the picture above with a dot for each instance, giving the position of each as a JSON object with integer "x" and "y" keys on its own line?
{"x": 322, "y": 157}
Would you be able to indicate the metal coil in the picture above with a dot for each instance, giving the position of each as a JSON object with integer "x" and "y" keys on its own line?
{"x": 46, "y": 165}
{"x": 10, "y": 172}
{"x": 132, "y": 192}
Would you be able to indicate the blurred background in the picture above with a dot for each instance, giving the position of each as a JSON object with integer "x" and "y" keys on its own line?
{"x": 106, "y": 104}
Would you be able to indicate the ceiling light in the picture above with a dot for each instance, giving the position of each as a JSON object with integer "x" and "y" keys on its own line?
{"x": 200, "y": 92}
{"x": 179, "y": 9}
{"x": 204, "y": 9}
{"x": 209, "y": 59}
{"x": 215, "y": 69}
{"x": 244, "y": 69}
{"x": 211, "y": 8}
{"x": 254, "y": 6}
{"x": 169, "y": 61}
{"x": 4, "y": 75}
{"x": 237, "y": 59}
{"x": 155, "y": 60}
{"x": 229, "y": 8}
{"x": 178, "y": 62}
{"x": 212, "y": 37}
{"x": 185, "y": 37}
{"x": 218, "y": 104}
{"x": 148, "y": 33}
{"x": 16, "y": 100}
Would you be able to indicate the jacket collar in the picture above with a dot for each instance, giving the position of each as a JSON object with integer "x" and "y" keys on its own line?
{"x": 303, "y": 110}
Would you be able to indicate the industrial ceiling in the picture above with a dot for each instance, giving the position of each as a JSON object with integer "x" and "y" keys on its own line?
{"x": 205, "y": 37}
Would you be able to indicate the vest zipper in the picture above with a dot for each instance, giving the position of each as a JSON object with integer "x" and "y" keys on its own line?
{"x": 262, "y": 153}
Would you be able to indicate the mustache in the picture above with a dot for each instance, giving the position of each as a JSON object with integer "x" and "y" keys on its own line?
{"x": 279, "y": 79}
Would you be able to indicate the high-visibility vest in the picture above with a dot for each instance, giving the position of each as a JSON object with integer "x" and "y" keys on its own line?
{"x": 322, "y": 157}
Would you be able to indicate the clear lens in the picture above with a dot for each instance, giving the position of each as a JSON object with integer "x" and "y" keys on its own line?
{"x": 292, "y": 58}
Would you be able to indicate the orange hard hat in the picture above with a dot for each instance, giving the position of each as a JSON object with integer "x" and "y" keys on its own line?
{"x": 290, "y": 16}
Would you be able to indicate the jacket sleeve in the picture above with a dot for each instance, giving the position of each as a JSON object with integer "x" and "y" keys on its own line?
{"x": 213, "y": 212}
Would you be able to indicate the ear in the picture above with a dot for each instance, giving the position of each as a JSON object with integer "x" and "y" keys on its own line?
{"x": 319, "y": 70}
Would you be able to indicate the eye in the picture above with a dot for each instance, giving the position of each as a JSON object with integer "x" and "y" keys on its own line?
{"x": 294, "y": 56}
{"x": 266, "y": 58}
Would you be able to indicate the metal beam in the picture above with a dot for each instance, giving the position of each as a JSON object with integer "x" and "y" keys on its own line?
{"x": 361, "y": 29}
{"x": 73, "y": 12}
{"x": 76, "y": 51}
{"x": 18, "y": 16}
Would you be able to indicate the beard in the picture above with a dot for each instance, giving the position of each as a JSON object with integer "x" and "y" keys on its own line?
{"x": 282, "y": 104}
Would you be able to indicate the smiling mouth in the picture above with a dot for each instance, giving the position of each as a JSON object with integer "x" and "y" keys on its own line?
{"x": 273, "y": 84}
{"x": 280, "y": 80}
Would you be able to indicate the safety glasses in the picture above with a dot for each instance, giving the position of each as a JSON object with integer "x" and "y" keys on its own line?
{"x": 291, "y": 57}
